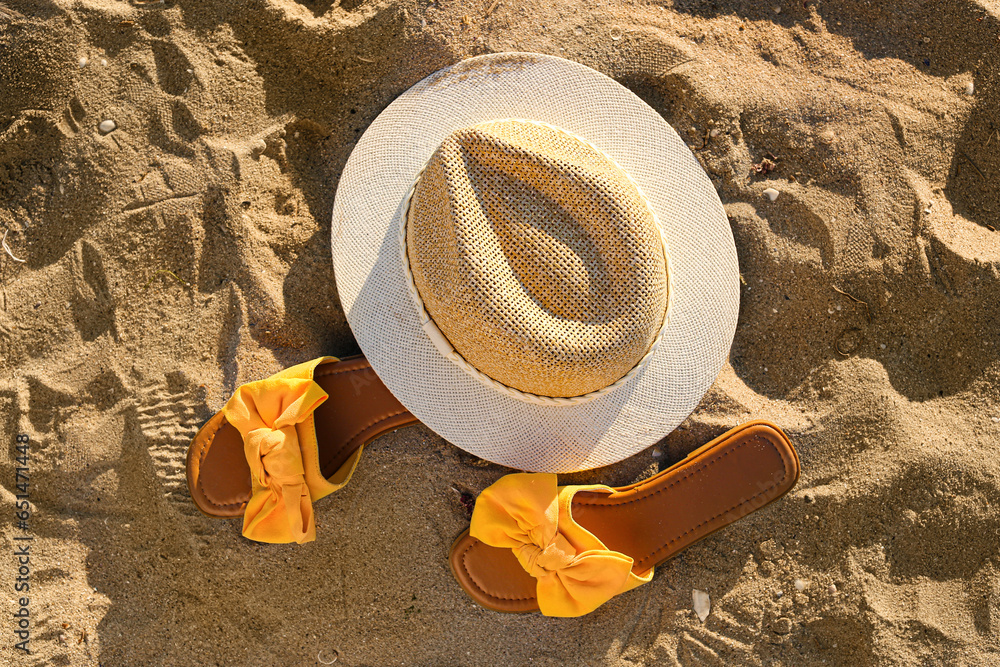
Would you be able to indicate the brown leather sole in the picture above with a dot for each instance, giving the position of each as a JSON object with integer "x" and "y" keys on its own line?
{"x": 359, "y": 409}
{"x": 737, "y": 473}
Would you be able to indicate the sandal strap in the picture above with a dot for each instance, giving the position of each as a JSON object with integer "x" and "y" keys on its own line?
{"x": 531, "y": 515}
{"x": 275, "y": 418}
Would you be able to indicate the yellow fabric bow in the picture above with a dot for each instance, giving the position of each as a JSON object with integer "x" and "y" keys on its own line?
{"x": 531, "y": 515}
{"x": 275, "y": 418}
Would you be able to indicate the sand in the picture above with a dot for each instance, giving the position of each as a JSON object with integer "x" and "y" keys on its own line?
{"x": 188, "y": 251}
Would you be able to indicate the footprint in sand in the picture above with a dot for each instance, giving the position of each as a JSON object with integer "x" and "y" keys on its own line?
{"x": 174, "y": 70}
{"x": 169, "y": 413}
{"x": 72, "y": 118}
{"x": 92, "y": 304}
{"x": 726, "y": 638}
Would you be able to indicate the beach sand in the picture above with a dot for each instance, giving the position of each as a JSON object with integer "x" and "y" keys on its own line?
{"x": 188, "y": 250}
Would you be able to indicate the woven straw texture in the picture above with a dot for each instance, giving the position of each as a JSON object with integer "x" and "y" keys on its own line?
{"x": 371, "y": 198}
{"x": 537, "y": 258}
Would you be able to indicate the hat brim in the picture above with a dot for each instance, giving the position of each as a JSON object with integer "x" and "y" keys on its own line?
{"x": 370, "y": 201}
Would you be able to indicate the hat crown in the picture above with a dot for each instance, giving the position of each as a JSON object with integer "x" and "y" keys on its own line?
{"x": 537, "y": 257}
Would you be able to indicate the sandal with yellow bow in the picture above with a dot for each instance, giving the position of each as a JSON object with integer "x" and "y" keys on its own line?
{"x": 282, "y": 443}
{"x": 565, "y": 550}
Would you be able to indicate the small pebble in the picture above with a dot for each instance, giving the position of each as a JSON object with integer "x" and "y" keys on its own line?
{"x": 779, "y": 593}
{"x": 777, "y": 10}
{"x": 107, "y": 126}
{"x": 831, "y": 589}
{"x": 702, "y": 604}
{"x": 800, "y": 585}
{"x": 882, "y": 346}
{"x": 657, "y": 452}
{"x": 970, "y": 88}
{"x": 996, "y": 419}
{"x": 83, "y": 61}
{"x": 927, "y": 40}
{"x": 771, "y": 194}
{"x": 715, "y": 132}
{"x": 104, "y": 63}
{"x": 782, "y": 626}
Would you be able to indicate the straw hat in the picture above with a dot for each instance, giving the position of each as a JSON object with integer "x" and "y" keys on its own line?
{"x": 534, "y": 263}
